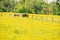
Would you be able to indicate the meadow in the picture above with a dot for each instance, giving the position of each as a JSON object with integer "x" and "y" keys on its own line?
{"x": 34, "y": 27}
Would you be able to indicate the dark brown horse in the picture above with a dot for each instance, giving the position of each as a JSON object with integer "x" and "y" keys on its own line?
{"x": 25, "y": 15}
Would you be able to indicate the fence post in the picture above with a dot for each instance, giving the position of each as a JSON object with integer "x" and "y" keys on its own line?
{"x": 52, "y": 18}
{"x": 1, "y": 14}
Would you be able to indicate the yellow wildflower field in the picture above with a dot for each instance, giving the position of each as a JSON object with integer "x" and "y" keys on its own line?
{"x": 29, "y": 28}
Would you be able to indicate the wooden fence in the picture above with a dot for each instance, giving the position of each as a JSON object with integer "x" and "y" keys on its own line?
{"x": 39, "y": 17}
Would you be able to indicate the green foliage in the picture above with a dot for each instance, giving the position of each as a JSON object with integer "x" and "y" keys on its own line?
{"x": 7, "y": 5}
{"x": 30, "y": 6}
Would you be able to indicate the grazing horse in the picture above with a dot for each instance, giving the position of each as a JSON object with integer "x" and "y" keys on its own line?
{"x": 25, "y": 15}
{"x": 16, "y": 14}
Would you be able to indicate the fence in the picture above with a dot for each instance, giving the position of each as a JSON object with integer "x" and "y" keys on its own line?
{"x": 39, "y": 17}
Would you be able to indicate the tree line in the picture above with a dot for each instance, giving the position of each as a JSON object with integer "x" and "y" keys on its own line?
{"x": 30, "y": 6}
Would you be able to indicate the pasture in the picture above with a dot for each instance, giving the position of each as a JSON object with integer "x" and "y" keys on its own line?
{"x": 33, "y": 27}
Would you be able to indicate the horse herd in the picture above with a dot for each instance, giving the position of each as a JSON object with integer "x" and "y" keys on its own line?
{"x": 24, "y": 15}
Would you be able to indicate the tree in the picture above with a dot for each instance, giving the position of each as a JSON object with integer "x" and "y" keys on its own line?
{"x": 58, "y": 7}
{"x": 7, "y": 5}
